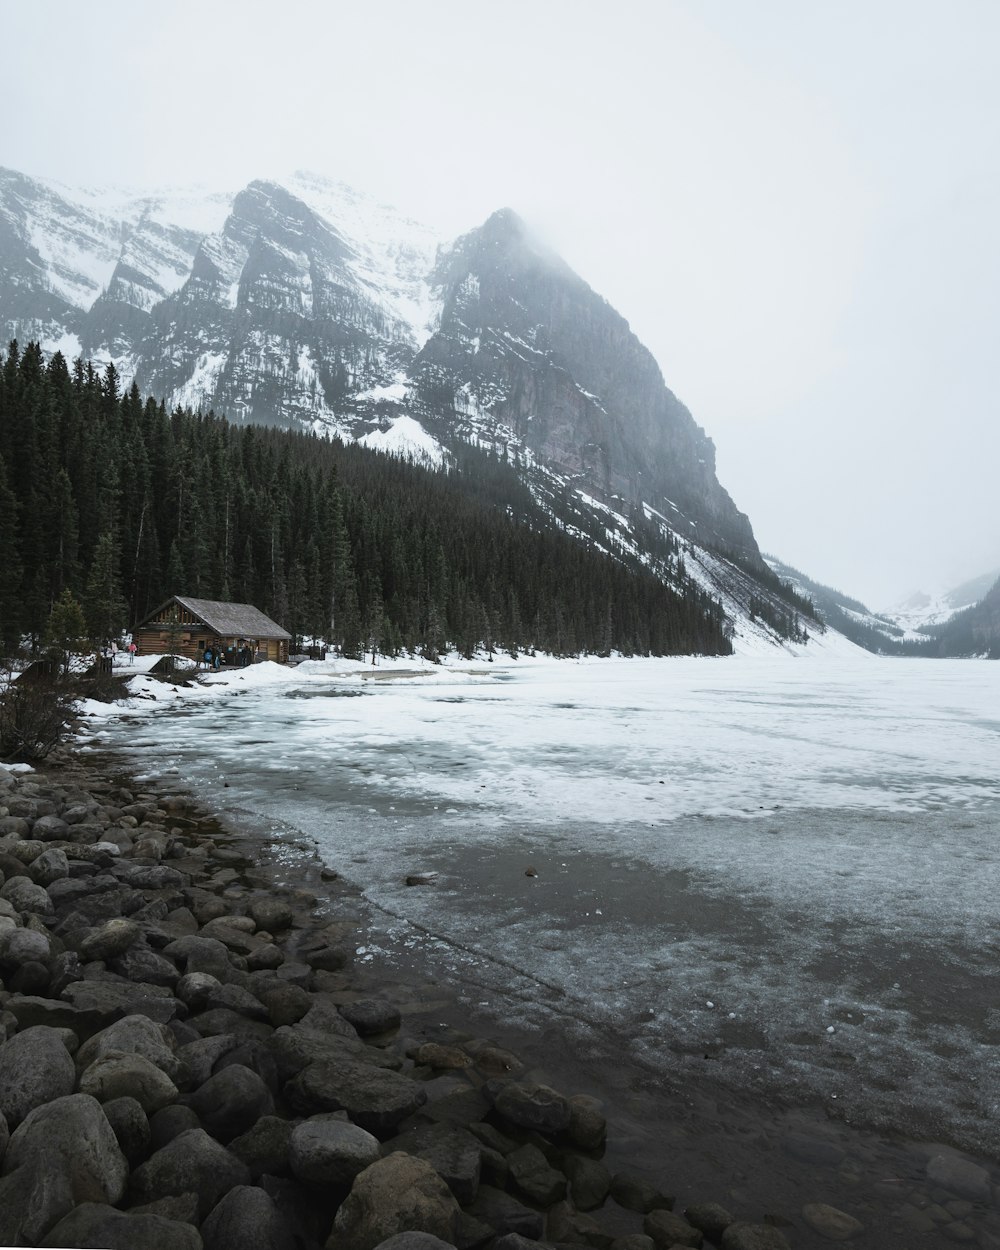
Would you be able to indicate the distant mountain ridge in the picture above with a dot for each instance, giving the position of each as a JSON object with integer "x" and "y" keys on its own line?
{"x": 963, "y": 621}
{"x": 305, "y": 305}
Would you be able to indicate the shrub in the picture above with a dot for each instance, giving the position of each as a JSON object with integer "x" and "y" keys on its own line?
{"x": 34, "y": 717}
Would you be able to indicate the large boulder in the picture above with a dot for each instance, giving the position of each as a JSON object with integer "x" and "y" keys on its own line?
{"x": 63, "y": 1154}
{"x": 96, "y": 1224}
{"x": 451, "y": 1151}
{"x": 325, "y": 1150}
{"x": 668, "y": 1229}
{"x": 132, "y": 1035}
{"x": 192, "y": 1163}
{"x": 396, "y": 1195}
{"x": 231, "y": 1101}
{"x": 26, "y": 896}
{"x": 375, "y": 1098}
{"x": 118, "y": 1075}
{"x": 35, "y": 1067}
{"x": 533, "y": 1106}
{"x": 110, "y": 940}
{"x": 246, "y": 1219}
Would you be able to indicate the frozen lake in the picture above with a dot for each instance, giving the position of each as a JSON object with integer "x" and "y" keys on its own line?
{"x": 782, "y": 870}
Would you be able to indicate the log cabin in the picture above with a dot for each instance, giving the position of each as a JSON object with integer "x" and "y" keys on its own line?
{"x": 184, "y": 626}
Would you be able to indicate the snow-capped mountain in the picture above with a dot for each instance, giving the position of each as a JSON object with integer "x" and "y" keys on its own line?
{"x": 307, "y": 305}
{"x": 921, "y": 610}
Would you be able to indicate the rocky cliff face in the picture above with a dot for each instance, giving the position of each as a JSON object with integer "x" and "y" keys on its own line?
{"x": 527, "y": 349}
{"x": 306, "y": 305}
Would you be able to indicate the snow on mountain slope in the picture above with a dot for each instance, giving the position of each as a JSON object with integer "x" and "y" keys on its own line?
{"x": 304, "y": 304}
{"x": 919, "y": 611}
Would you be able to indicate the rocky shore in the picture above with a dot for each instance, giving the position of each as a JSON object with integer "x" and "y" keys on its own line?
{"x": 189, "y": 1057}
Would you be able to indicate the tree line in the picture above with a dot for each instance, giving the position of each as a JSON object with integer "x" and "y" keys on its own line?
{"x": 112, "y": 502}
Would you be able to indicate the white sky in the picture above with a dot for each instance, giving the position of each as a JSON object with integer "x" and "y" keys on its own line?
{"x": 795, "y": 204}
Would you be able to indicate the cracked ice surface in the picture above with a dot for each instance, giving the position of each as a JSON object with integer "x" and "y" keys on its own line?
{"x": 808, "y": 844}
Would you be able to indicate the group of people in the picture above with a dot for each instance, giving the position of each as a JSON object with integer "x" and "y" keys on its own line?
{"x": 238, "y": 657}
{"x": 111, "y": 651}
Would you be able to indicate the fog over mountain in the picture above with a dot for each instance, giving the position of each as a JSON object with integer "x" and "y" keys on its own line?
{"x": 793, "y": 205}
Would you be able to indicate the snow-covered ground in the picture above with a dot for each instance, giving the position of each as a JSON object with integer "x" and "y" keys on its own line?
{"x": 789, "y": 864}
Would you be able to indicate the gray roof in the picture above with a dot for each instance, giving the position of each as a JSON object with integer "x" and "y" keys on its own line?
{"x": 232, "y": 620}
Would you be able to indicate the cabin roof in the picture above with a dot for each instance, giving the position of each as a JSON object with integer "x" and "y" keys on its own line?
{"x": 235, "y": 620}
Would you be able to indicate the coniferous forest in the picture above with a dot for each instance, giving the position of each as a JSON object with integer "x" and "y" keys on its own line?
{"x": 121, "y": 503}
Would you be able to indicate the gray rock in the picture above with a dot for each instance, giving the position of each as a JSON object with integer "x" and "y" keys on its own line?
{"x": 132, "y": 1035}
{"x": 118, "y": 1075}
{"x": 272, "y": 914}
{"x": 192, "y": 1163}
{"x": 587, "y": 1125}
{"x": 375, "y": 1098}
{"x": 960, "y": 1176}
{"x": 130, "y": 1126}
{"x": 632, "y": 1241}
{"x": 506, "y": 1214}
{"x": 231, "y": 1101}
{"x": 109, "y": 940}
{"x": 574, "y": 1228}
{"x": 328, "y": 958}
{"x": 325, "y": 1150}
{"x": 246, "y": 1219}
{"x": 201, "y": 954}
{"x": 268, "y": 957}
{"x": 285, "y": 1004}
{"x": 421, "y": 1241}
{"x": 533, "y": 1107}
{"x": 169, "y": 1122}
{"x": 21, "y": 946}
{"x": 831, "y": 1223}
{"x": 193, "y": 988}
{"x": 668, "y": 1229}
{"x": 534, "y": 1178}
{"x": 26, "y": 896}
{"x": 452, "y": 1152}
{"x": 712, "y": 1219}
{"x": 514, "y": 1241}
{"x": 50, "y": 829}
{"x": 589, "y": 1181}
{"x": 638, "y": 1195}
{"x": 96, "y": 1224}
{"x": 139, "y": 963}
{"x": 370, "y": 1016}
{"x": 180, "y": 1207}
{"x": 63, "y": 1154}
{"x": 264, "y": 1147}
{"x": 35, "y": 1067}
{"x": 235, "y": 998}
{"x": 114, "y": 999}
{"x": 51, "y": 865}
{"x": 741, "y": 1236}
{"x": 396, "y": 1195}
{"x": 196, "y": 1060}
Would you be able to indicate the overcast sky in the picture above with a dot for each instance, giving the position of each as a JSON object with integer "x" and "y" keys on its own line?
{"x": 796, "y": 204}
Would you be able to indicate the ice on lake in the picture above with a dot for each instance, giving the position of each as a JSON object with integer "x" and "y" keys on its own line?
{"x": 808, "y": 845}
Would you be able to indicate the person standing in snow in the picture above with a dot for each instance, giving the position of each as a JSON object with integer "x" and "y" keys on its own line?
{"x": 131, "y": 651}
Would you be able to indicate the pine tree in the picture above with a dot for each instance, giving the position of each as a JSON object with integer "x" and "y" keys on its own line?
{"x": 106, "y": 609}
{"x": 66, "y": 632}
